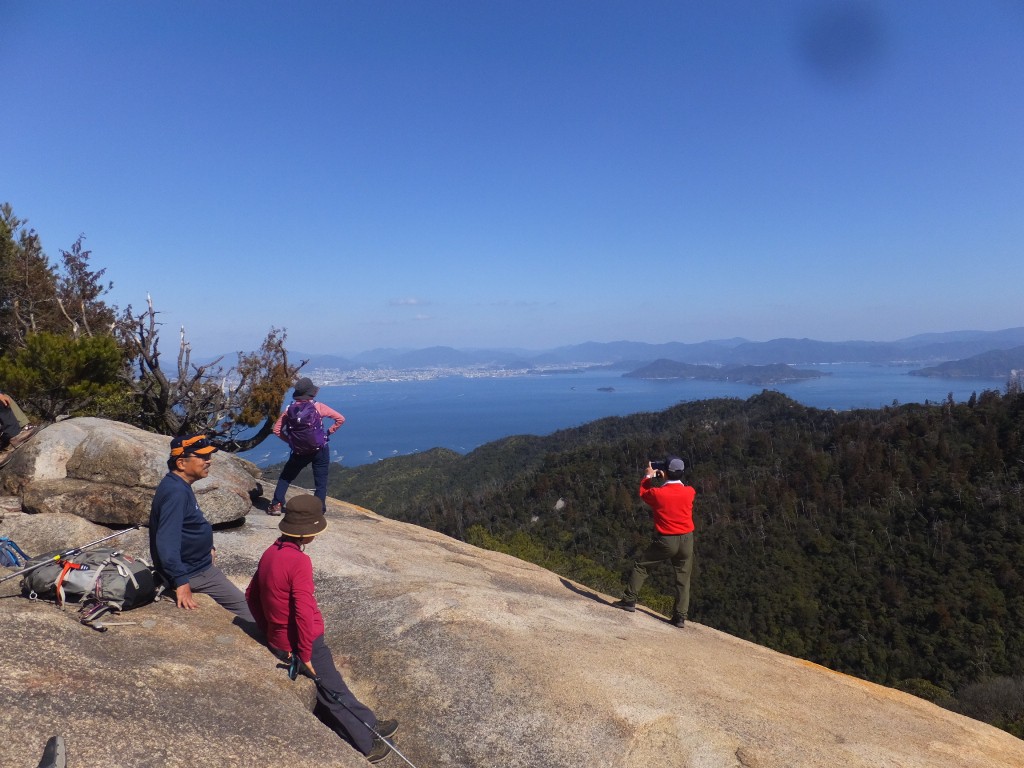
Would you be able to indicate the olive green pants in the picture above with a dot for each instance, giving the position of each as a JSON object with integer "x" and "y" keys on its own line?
{"x": 677, "y": 549}
{"x": 19, "y": 414}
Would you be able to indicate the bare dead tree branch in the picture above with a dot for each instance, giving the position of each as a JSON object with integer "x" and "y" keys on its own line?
{"x": 206, "y": 397}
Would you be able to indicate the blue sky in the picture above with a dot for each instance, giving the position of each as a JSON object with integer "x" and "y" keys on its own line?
{"x": 527, "y": 174}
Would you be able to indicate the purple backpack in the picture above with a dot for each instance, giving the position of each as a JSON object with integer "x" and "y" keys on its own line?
{"x": 303, "y": 428}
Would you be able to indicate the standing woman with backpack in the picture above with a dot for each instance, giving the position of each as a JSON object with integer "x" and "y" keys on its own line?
{"x": 302, "y": 427}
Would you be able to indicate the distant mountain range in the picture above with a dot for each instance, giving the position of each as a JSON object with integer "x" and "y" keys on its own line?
{"x": 945, "y": 354}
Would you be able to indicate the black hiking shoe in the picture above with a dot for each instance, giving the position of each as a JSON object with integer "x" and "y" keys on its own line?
{"x": 54, "y": 754}
{"x": 387, "y": 728}
{"x": 678, "y": 621}
{"x": 378, "y": 751}
{"x": 626, "y": 605}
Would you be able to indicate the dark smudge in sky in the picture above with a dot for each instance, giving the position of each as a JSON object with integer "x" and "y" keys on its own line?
{"x": 841, "y": 43}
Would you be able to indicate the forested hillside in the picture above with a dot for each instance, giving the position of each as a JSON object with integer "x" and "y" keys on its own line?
{"x": 884, "y": 543}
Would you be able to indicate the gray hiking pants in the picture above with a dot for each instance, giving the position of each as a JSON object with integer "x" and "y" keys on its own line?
{"x": 215, "y": 583}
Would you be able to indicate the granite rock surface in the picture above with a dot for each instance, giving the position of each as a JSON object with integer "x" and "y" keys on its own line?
{"x": 485, "y": 660}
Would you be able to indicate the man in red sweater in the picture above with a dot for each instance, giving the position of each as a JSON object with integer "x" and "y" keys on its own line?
{"x": 672, "y": 504}
{"x": 281, "y": 599}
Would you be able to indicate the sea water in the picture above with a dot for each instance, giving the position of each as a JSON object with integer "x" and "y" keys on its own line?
{"x": 394, "y": 418}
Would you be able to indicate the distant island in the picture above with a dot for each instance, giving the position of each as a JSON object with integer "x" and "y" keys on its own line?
{"x": 997, "y": 363}
{"x": 759, "y": 375}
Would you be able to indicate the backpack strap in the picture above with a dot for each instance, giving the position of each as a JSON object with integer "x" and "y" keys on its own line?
{"x": 92, "y": 610}
{"x": 59, "y": 584}
{"x": 124, "y": 568}
{"x": 89, "y": 583}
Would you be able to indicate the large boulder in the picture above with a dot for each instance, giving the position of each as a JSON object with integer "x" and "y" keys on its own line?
{"x": 48, "y": 532}
{"x": 485, "y": 660}
{"x": 107, "y": 472}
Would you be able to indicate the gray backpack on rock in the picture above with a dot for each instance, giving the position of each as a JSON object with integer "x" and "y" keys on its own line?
{"x": 101, "y": 580}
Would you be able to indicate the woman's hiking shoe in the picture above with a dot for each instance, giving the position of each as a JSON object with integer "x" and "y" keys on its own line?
{"x": 626, "y": 605}
{"x": 54, "y": 754}
{"x": 378, "y": 751}
{"x": 678, "y": 621}
{"x": 387, "y": 728}
{"x": 274, "y": 509}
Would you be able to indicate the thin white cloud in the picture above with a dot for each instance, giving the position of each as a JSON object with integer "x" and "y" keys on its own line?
{"x": 523, "y": 304}
{"x": 411, "y": 301}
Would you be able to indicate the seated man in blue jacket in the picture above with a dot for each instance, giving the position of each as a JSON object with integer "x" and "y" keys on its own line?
{"x": 181, "y": 539}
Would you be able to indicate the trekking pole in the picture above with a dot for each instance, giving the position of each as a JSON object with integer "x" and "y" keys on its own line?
{"x": 336, "y": 698}
{"x": 69, "y": 553}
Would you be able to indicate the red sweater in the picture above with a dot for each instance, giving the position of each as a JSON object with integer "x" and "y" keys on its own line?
{"x": 672, "y": 504}
{"x": 280, "y": 597}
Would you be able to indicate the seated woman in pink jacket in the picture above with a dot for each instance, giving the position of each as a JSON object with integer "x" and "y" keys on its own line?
{"x": 281, "y": 599}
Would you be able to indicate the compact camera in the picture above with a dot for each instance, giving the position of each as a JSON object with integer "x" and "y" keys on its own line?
{"x": 659, "y": 465}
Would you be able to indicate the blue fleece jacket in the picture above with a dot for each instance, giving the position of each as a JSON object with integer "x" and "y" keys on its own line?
{"x": 180, "y": 538}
